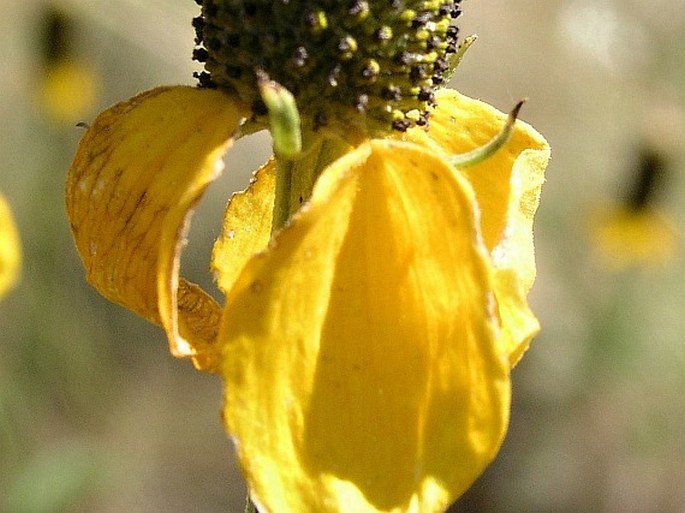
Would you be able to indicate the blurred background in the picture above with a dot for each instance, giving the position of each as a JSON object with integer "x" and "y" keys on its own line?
{"x": 96, "y": 416}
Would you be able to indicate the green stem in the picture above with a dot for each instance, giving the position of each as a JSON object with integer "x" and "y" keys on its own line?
{"x": 295, "y": 179}
{"x": 249, "y": 507}
{"x": 282, "y": 200}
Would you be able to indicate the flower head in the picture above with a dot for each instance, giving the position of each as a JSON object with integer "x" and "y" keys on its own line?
{"x": 354, "y": 67}
{"x": 367, "y": 335}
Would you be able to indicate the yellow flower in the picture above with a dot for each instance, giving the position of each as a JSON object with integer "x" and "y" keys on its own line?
{"x": 68, "y": 85}
{"x": 366, "y": 344}
{"x": 10, "y": 249}
{"x": 635, "y": 232}
{"x": 69, "y": 89}
{"x": 366, "y": 347}
{"x": 624, "y": 237}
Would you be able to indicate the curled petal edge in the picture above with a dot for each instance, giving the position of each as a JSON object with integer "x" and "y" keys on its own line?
{"x": 507, "y": 187}
{"x": 139, "y": 171}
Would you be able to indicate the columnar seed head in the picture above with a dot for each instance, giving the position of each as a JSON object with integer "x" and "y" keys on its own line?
{"x": 352, "y": 65}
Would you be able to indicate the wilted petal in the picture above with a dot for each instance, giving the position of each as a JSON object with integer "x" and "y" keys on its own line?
{"x": 10, "y": 249}
{"x": 507, "y": 187}
{"x": 359, "y": 350}
{"x": 138, "y": 173}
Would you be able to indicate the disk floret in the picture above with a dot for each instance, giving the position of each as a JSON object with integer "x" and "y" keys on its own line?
{"x": 352, "y": 65}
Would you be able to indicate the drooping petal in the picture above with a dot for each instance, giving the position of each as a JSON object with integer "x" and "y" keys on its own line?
{"x": 246, "y": 228}
{"x": 507, "y": 187}
{"x": 10, "y": 249}
{"x": 138, "y": 172}
{"x": 360, "y": 366}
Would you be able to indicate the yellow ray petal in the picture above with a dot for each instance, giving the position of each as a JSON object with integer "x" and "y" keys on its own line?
{"x": 138, "y": 173}
{"x": 507, "y": 188}
{"x": 359, "y": 351}
{"x": 10, "y": 249}
{"x": 246, "y": 228}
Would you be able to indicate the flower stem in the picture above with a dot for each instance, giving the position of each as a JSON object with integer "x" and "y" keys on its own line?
{"x": 295, "y": 179}
{"x": 249, "y": 506}
{"x": 284, "y": 178}
{"x": 300, "y": 158}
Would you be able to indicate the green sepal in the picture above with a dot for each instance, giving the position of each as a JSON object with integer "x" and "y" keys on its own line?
{"x": 284, "y": 118}
{"x": 456, "y": 57}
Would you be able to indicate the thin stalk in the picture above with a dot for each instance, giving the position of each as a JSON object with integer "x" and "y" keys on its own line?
{"x": 473, "y": 157}
{"x": 283, "y": 195}
{"x": 249, "y": 507}
{"x": 295, "y": 179}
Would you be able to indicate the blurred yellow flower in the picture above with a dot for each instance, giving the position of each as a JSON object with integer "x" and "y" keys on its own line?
{"x": 635, "y": 232}
{"x": 10, "y": 249}
{"x": 625, "y": 237}
{"x": 68, "y": 84}
{"x": 68, "y": 90}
